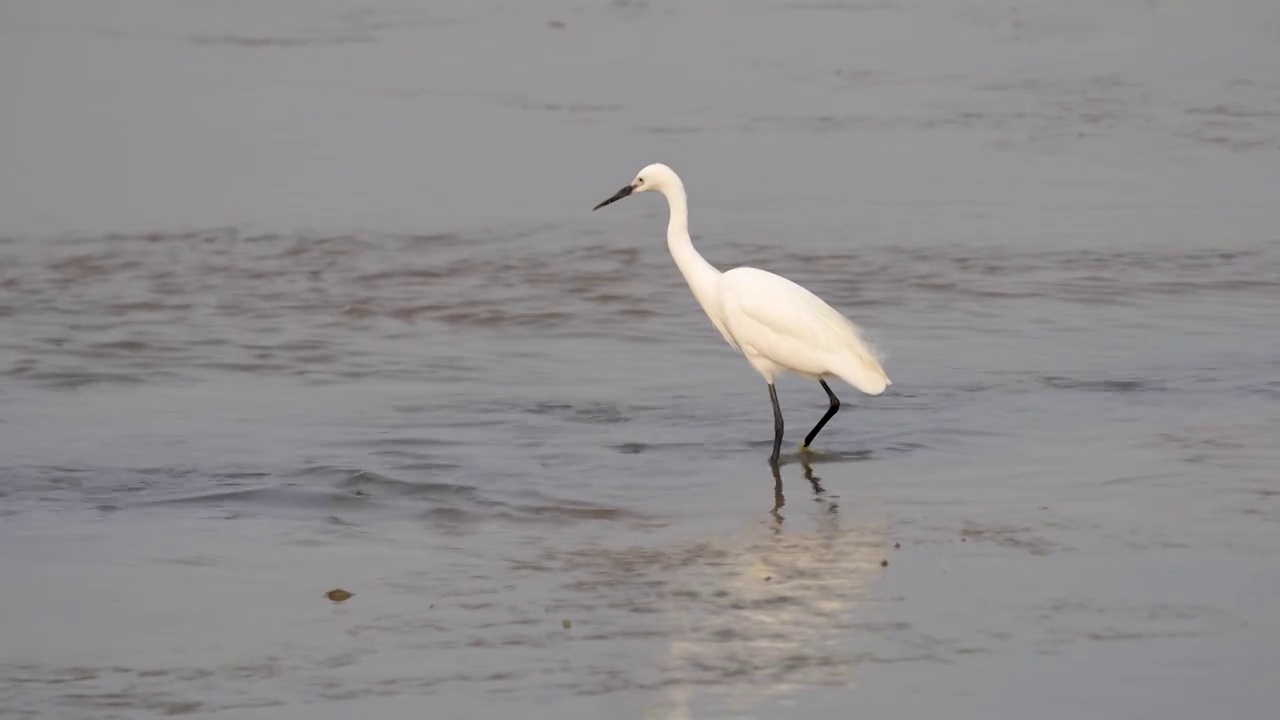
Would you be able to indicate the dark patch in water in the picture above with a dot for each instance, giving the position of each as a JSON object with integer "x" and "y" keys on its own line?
{"x": 274, "y": 497}
{"x": 584, "y": 413}
{"x": 1019, "y": 538}
{"x": 373, "y": 484}
{"x": 172, "y": 306}
{"x": 1109, "y": 386}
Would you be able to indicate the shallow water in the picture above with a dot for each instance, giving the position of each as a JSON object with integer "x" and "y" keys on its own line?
{"x": 296, "y": 296}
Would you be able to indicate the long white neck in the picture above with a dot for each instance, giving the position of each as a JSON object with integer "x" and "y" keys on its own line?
{"x": 701, "y": 275}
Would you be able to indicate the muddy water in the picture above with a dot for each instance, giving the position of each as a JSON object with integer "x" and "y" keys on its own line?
{"x": 297, "y": 296}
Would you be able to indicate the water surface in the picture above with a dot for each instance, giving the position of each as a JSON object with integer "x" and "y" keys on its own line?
{"x": 296, "y": 296}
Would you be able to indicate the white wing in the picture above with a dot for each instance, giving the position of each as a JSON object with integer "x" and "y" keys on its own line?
{"x": 774, "y": 317}
{"x": 711, "y": 304}
{"x": 718, "y": 321}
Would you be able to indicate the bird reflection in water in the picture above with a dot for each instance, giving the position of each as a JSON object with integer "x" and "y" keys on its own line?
{"x": 819, "y": 494}
{"x": 779, "y": 610}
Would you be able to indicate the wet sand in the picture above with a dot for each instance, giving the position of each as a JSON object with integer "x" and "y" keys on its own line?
{"x": 299, "y": 296}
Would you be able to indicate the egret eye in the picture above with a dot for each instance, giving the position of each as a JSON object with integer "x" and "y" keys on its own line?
{"x": 639, "y": 181}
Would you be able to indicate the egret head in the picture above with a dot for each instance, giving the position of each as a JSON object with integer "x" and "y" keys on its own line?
{"x": 653, "y": 177}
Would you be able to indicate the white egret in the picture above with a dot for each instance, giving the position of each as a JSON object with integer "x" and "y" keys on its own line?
{"x": 778, "y": 325}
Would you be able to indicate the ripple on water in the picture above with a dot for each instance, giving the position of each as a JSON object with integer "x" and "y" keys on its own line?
{"x": 1104, "y": 386}
{"x": 137, "y": 308}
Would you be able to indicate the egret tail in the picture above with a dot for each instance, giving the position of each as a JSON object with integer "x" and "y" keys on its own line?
{"x": 863, "y": 372}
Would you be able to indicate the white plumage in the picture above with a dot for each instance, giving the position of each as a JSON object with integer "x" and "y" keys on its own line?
{"x": 773, "y": 320}
{"x": 777, "y": 324}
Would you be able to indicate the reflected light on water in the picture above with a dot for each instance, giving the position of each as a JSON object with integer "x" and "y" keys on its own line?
{"x": 788, "y": 590}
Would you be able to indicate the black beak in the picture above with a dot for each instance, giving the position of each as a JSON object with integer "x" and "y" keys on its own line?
{"x": 616, "y": 197}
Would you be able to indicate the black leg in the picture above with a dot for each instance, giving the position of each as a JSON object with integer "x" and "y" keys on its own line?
{"x": 777, "y": 425}
{"x": 831, "y": 411}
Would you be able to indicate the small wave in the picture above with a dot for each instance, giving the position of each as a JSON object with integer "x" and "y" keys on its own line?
{"x": 175, "y": 306}
{"x": 1105, "y": 386}
{"x": 370, "y": 483}
{"x": 597, "y": 412}
{"x": 72, "y": 379}
{"x": 292, "y": 498}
